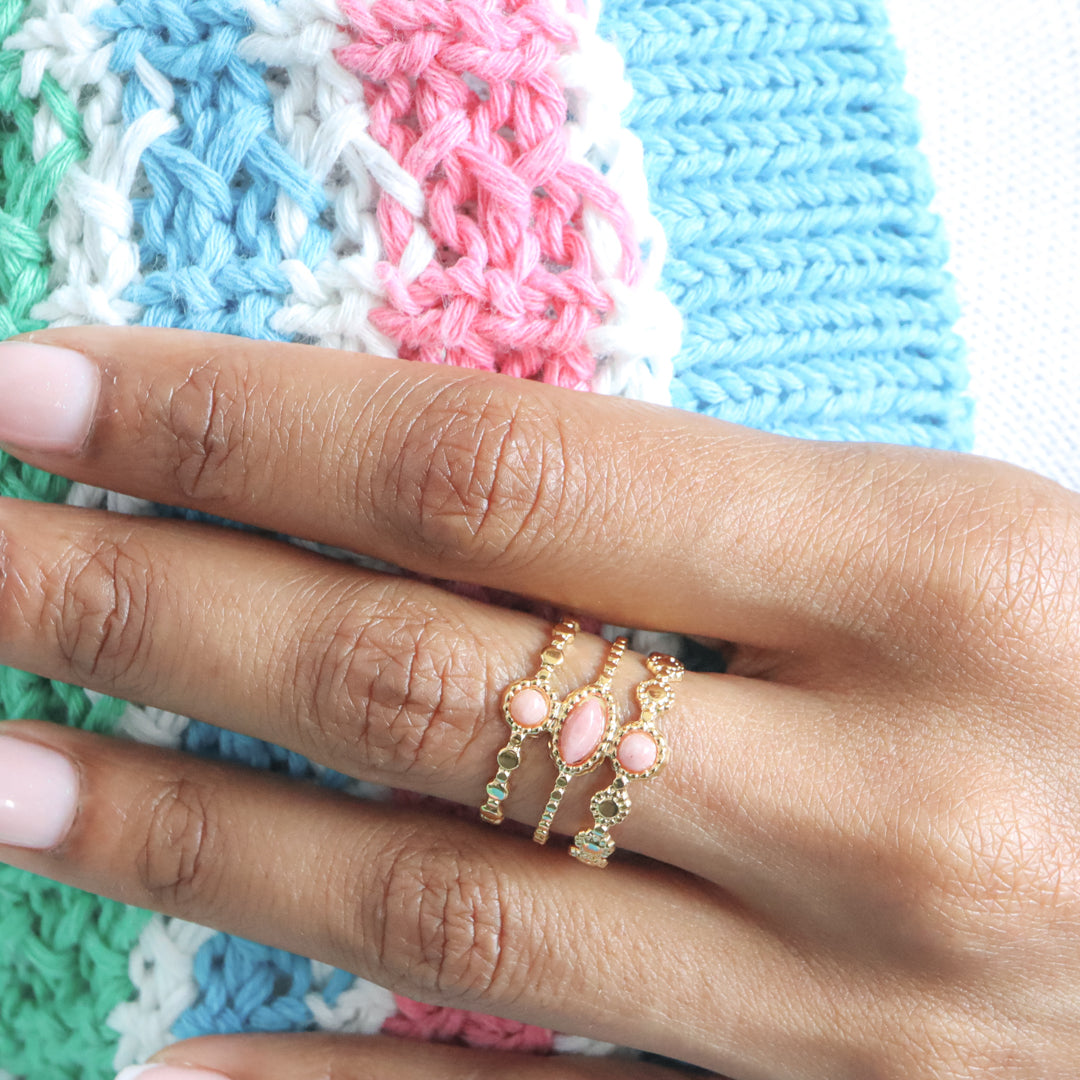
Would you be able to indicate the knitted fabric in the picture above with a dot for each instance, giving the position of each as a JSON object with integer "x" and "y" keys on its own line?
{"x": 726, "y": 210}
{"x": 780, "y": 149}
{"x": 33, "y": 161}
{"x": 464, "y": 96}
{"x": 212, "y": 251}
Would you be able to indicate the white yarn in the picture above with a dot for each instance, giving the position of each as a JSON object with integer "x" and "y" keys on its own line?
{"x": 321, "y": 117}
{"x": 102, "y": 499}
{"x": 95, "y": 258}
{"x": 362, "y": 1009}
{"x": 162, "y": 970}
{"x": 637, "y": 344}
{"x": 145, "y": 724}
{"x": 648, "y": 641}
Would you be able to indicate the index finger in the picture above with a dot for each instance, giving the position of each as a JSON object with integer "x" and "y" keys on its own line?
{"x": 635, "y": 513}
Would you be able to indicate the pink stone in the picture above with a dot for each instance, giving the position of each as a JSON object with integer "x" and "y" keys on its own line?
{"x": 529, "y": 708}
{"x": 582, "y": 731}
{"x": 637, "y": 751}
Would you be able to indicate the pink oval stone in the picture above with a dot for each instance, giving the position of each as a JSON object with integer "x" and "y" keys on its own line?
{"x": 529, "y": 708}
{"x": 637, "y": 751}
{"x": 582, "y": 731}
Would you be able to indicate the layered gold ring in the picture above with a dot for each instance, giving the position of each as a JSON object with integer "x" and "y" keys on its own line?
{"x": 585, "y": 730}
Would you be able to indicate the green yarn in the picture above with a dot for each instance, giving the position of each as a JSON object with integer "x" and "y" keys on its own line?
{"x": 64, "y": 954}
{"x": 28, "y": 187}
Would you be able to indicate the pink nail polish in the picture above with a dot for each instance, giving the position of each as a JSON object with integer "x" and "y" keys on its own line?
{"x": 167, "y": 1072}
{"x": 39, "y": 790}
{"x": 47, "y": 396}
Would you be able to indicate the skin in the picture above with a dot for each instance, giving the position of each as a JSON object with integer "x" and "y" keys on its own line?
{"x": 864, "y": 858}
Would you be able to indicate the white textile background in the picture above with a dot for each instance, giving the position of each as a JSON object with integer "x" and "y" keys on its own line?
{"x": 998, "y": 85}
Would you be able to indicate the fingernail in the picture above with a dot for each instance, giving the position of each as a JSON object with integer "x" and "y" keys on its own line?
{"x": 167, "y": 1072}
{"x": 47, "y": 396}
{"x": 39, "y": 789}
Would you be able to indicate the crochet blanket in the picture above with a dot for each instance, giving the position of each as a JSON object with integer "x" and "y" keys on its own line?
{"x": 714, "y": 203}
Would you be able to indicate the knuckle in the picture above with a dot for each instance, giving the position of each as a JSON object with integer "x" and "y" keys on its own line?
{"x": 946, "y": 1041}
{"x": 100, "y": 600}
{"x": 962, "y": 861}
{"x": 174, "y": 864}
{"x": 393, "y": 684}
{"x": 478, "y": 483}
{"x": 1023, "y": 559}
{"x": 445, "y": 925}
{"x": 209, "y": 417}
{"x": 971, "y": 552}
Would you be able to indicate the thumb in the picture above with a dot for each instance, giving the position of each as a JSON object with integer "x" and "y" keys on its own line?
{"x": 316, "y": 1056}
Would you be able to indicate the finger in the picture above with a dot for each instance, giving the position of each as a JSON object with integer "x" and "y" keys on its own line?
{"x": 316, "y": 1056}
{"x": 386, "y": 679}
{"x": 640, "y": 515}
{"x": 442, "y": 911}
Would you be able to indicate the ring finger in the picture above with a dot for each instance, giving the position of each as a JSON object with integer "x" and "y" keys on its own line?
{"x": 384, "y": 678}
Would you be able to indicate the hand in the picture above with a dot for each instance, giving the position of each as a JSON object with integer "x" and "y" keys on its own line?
{"x": 863, "y": 860}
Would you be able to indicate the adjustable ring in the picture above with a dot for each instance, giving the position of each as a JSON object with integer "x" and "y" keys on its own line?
{"x": 529, "y": 707}
{"x": 581, "y": 733}
{"x": 637, "y": 752}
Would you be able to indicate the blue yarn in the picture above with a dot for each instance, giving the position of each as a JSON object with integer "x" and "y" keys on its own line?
{"x": 246, "y": 987}
{"x": 209, "y": 249}
{"x": 781, "y": 154}
{"x": 205, "y": 740}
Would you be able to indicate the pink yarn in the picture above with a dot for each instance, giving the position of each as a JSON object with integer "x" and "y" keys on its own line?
{"x": 463, "y": 94}
{"x": 431, "y": 1023}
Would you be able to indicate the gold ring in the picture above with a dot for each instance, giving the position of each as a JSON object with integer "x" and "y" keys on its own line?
{"x": 529, "y": 706}
{"x": 637, "y": 751}
{"x": 581, "y": 733}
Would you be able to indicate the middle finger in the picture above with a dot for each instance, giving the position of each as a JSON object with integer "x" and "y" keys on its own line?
{"x": 503, "y": 482}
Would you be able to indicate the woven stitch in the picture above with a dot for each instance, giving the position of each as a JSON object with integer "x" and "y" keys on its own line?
{"x": 212, "y": 252}
{"x": 781, "y": 157}
{"x": 28, "y": 180}
{"x": 320, "y": 115}
{"x": 464, "y": 97}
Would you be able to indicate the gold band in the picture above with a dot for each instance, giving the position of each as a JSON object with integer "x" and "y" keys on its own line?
{"x": 581, "y": 733}
{"x": 536, "y": 706}
{"x": 637, "y": 751}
